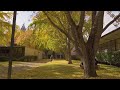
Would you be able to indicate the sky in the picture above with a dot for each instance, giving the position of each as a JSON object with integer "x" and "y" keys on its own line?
{"x": 24, "y": 17}
{"x": 107, "y": 19}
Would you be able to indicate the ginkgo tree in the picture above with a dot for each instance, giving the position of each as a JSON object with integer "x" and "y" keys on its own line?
{"x": 86, "y": 49}
{"x": 47, "y": 36}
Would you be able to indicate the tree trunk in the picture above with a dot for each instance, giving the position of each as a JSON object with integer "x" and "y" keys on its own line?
{"x": 89, "y": 66}
{"x": 46, "y": 54}
{"x": 66, "y": 55}
{"x": 69, "y": 52}
{"x": 53, "y": 53}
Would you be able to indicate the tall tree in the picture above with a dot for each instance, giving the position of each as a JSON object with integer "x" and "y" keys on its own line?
{"x": 12, "y": 45}
{"x": 86, "y": 49}
{"x": 48, "y": 36}
{"x": 64, "y": 25}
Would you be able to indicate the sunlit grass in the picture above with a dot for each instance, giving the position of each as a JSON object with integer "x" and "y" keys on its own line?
{"x": 60, "y": 69}
{"x": 52, "y": 70}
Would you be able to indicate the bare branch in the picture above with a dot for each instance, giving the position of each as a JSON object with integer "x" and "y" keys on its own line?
{"x": 111, "y": 22}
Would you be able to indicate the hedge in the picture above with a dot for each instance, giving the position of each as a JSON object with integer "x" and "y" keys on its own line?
{"x": 112, "y": 58}
{"x": 24, "y": 58}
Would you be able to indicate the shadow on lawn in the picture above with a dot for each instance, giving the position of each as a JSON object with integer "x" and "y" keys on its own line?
{"x": 16, "y": 69}
{"x": 52, "y": 72}
{"x": 41, "y": 61}
{"x": 73, "y": 72}
{"x": 57, "y": 71}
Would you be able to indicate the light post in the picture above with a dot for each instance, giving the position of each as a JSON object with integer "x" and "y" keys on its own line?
{"x": 12, "y": 45}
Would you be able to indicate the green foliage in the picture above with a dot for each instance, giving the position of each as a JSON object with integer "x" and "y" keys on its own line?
{"x": 5, "y": 27}
{"x": 48, "y": 37}
{"x": 4, "y": 58}
{"x": 45, "y": 35}
{"x": 117, "y": 57}
{"x": 109, "y": 57}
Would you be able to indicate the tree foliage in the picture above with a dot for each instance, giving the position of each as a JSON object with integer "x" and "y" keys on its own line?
{"x": 5, "y": 27}
{"x": 46, "y": 35}
{"x": 86, "y": 48}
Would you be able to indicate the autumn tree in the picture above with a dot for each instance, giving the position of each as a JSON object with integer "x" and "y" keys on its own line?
{"x": 5, "y": 26}
{"x": 86, "y": 48}
{"x": 48, "y": 36}
{"x": 56, "y": 40}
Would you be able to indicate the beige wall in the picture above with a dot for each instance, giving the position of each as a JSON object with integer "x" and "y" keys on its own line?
{"x": 31, "y": 51}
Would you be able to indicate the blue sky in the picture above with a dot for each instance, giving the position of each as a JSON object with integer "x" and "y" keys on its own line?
{"x": 25, "y": 17}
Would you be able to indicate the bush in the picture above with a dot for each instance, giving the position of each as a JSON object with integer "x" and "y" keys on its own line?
{"x": 117, "y": 57}
{"x": 4, "y": 58}
{"x": 75, "y": 57}
{"x": 28, "y": 58}
{"x": 112, "y": 58}
{"x": 24, "y": 58}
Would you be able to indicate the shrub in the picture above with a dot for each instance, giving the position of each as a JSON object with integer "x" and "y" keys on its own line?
{"x": 75, "y": 57}
{"x": 112, "y": 58}
{"x": 28, "y": 58}
{"x": 4, "y": 58}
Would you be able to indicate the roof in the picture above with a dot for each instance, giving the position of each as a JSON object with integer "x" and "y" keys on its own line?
{"x": 115, "y": 34}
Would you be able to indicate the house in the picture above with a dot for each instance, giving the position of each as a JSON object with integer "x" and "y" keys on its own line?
{"x": 110, "y": 41}
{"x": 33, "y": 52}
{"x": 21, "y": 51}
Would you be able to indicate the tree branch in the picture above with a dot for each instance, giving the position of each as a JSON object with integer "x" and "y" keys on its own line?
{"x": 93, "y": 29}
{"x": 79, "y": 41}
{"x": 60, "y": 22}
{"x": 57, "y": 27}
{"x": 99, "y": 31}
{"x": 70, "y": 18}
{"x": 111, "y": 22}
{"x": 81, "y": 23}
{"x": 80, "y": 26}
{"x": 93, "y": 17}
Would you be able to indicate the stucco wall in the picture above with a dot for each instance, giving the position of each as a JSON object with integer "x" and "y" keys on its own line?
{"x": 31, "y": 51}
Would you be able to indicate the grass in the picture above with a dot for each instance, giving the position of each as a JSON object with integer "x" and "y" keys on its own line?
{"x": 57, "y": 69}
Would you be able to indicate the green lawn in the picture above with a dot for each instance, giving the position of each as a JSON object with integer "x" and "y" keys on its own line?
{"x": 58, "y": 69}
